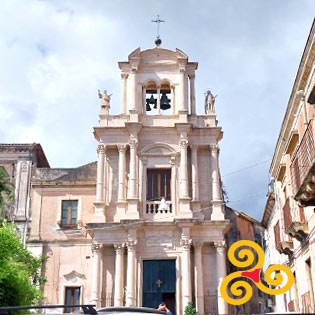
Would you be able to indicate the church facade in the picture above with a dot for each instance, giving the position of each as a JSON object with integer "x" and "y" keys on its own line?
{"x": 146, "y": 222}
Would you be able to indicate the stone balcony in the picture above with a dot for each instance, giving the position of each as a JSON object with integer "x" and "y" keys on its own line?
{"x": 294, "y": 222}
{"x": 303, "y": 169}
{"x": 285, "y": 247}
{"x": 152, "y": 212}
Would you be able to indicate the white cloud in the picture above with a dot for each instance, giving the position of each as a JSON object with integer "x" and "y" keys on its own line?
{"x": 54, "y": 55}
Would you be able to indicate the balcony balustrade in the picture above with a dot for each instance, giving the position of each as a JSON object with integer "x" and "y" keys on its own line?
{"x": 294, "y": 223}
{"x": 152, "y": 210}
{"x": 284, "y": 247}
{"x": 303, "y": 168}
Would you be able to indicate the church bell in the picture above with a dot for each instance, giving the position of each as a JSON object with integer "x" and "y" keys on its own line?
{"x": 150, "y": 101}
{"x": 165, "y": 102}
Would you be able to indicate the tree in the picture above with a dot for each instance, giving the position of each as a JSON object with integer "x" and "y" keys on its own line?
{"x": 20, "y": 277}
{"x": 190, "y": 310}
{"x": 6, "y": 191}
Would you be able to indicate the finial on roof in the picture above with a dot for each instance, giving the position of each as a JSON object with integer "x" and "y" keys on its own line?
{"x": 158, "y": 40}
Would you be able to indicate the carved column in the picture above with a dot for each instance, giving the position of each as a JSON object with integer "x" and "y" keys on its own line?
{"x": 132, "y": 91}
{"x": 192, "y": 94}
{"x": 131, "y": 274}
{"x": 221, "y": 274}
{"x": 199, "y": 278}
{"x": 186, "y": 276}
{"x": 96, "y": 274}
{"x": 183, "y": 169}
{"x": 101, "y": 149}
{"x": 216, "y": 185}
{"x": 132, "y": 193}
{"x": 124, "y": 77}
{"x": 119, "y": 275}
{"x": 194, "y": 172}
{"x": 122, "y": 171}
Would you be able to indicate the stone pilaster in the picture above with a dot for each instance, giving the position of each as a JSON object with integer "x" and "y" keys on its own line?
{"x": 199, "y": 278}
{"x": 158, "y": 100}
{"x": 122, "y": 172}
{"x": 183, "y": 169}
{"x": 132, "y": 91}
{"x": 173, "y": 98}
{"x": 119, "y": 275}
{"x": 217, "y": 202}
{"x": 194, "y": 172}
{"x": 131, "y": 274}
{"x": 96, "y": 274}
{"x": 184, "y": 209}
{"x": 124, "y": 77}
{"x": 221, "y": 274}
{"x": 99, "y": 216}
{"x": 132, "y": 193}
{"x": 133, "y": 211}
{"x": 192, "y": 94}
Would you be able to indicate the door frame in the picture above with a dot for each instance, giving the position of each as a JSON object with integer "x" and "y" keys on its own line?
{"x": 177, "y": 280}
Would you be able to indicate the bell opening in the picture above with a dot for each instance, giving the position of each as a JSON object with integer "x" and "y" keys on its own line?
{"x": 158, "y": 100}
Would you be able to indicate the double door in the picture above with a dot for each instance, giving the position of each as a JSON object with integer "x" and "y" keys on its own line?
{"x": 159, "y": 283}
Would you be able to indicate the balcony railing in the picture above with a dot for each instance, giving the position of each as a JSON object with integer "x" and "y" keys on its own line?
{"x": 294, "y": 224}
{"x": 152, "y": 210}
{"x": 303, "y": 159}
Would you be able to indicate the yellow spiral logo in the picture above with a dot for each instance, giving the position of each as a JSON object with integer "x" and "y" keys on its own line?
{"x": 244, "y": 258}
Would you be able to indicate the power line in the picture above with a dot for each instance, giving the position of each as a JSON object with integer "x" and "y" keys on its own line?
{"x": 246, "y": 168}
{"x": 249, "y": 197}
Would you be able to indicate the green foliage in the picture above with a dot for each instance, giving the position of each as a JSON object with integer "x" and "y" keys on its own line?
{"x": 20, "y": 277}
{"x": 190, "y": 310}
{"x": 6, "y": 191}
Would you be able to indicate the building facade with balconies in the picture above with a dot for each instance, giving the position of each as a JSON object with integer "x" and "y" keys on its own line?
{"x": 19, "y": 162}
{"x": 146, "y": 222}
{"x": 289, "y": 212}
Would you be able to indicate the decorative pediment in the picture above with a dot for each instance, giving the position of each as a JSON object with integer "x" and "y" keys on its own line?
{"x": 74, "y": 276}
{"x": 158, "y": 149}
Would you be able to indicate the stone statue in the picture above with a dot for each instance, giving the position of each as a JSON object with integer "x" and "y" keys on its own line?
{"x": 105, "y": 99}
{"x": 209, "y": 101}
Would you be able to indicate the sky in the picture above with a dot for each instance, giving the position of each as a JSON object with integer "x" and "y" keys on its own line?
{"x": 55, "y": 55}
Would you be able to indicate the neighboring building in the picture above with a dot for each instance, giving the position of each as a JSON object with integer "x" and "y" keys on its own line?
{"x": 289, "y": 212}
{"x": 19, "y": 161}
{"x": 109, "y": 237}
{"x": 244, "y": 227}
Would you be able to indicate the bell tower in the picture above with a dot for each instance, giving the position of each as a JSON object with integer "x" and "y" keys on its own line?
{"x": 158, "y": 147}
{"x": 158, "y": 182}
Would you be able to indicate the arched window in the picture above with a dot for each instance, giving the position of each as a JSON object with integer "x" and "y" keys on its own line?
{"x": 151, "y": 94}
{"x": 157, "y": 98}
{"x": 165, "y": 101}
